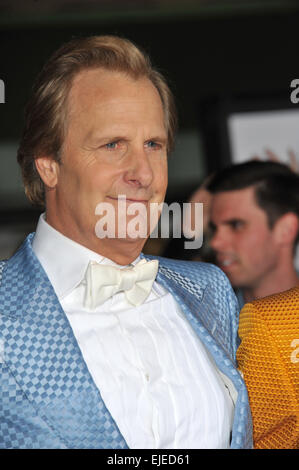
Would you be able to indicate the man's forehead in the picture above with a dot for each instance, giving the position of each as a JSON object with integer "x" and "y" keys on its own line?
{"x": 99, "y": 90}
{"x": 101, "y": 81}
{"x": 236, "y": 204}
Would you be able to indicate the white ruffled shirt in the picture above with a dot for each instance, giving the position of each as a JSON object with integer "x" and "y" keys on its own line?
{"x": 156, "y": 378}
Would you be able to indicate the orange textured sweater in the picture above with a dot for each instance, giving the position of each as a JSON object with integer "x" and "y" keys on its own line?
{"x": 268, "y": 357}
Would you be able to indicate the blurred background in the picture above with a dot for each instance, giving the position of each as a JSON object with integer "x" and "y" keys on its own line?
{"x": 230, "y": 64}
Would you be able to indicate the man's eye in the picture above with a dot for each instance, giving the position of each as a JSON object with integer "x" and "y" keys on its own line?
{"x": 111, "y": 145}
{"x": 212, "y": 228}
{"x": 153, "y": 145}
{"x": 237, "y": 224}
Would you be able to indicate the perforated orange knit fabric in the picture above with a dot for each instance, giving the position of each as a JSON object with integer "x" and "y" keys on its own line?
{"x": 269, "y": 359}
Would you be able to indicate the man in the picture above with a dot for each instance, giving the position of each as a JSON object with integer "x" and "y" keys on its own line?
{"x": 254, "y": 215}
{"x": 97, "y": 351}
{"x": 255, "y": 220}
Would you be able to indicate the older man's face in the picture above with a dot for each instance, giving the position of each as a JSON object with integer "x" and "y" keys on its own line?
{"x": 115, "y": 145}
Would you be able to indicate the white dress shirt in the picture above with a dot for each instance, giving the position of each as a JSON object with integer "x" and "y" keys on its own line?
{"x": 155, "y": 377}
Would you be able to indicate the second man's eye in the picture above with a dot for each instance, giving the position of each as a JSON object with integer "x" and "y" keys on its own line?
{"x": 237, "y": 224}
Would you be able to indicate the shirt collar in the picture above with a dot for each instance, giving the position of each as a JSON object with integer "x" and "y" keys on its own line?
{"x": 64, "y": 260}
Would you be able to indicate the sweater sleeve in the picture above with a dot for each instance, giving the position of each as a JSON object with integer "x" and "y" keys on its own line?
{"x": 264, "y": 358}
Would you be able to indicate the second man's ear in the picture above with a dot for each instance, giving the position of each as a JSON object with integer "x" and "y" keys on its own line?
{"x": 287, "y": 227}
{"x": 48, "y": 170}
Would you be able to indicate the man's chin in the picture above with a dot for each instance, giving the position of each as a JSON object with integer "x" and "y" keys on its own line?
{"x": 239, "y": 283}
{"x": 235, "y": 278}
{"x": 124, "y": 239}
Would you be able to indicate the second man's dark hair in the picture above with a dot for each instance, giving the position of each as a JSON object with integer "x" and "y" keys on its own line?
{"x": 276, "y": 185}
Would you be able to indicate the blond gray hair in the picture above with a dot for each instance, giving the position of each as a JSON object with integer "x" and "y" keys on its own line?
{"x": 46, "y": 111}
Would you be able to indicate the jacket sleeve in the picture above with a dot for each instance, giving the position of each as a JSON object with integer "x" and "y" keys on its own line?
{"x": 227, "y": 311}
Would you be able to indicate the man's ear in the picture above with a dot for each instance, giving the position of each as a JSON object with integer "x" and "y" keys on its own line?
{"x": 48, "y": 170}
{"x": 286, "y": 228}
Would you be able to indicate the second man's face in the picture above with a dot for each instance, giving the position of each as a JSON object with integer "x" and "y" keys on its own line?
{"x": 245, "y": 246}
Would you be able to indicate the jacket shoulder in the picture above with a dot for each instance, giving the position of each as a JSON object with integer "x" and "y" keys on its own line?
{"x": 197, "y": 271}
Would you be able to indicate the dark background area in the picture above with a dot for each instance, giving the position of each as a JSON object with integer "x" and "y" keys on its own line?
{"x": 212, "y": 52}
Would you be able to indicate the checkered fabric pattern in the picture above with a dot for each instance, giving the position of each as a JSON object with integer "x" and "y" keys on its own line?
{"x": 47, "y": 396}
{"x": 2, "y": 264}
{"x": 269, "y": 329}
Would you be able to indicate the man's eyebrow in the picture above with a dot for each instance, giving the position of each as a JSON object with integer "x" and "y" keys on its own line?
{"x": 233, "y": 221}
{"x": 96, "y": 139}
{"x": 230, "y": 222}
{"x": 158, "y": 138}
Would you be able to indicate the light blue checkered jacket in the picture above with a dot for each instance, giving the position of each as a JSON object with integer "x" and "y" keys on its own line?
{"x": 48, "y": 398}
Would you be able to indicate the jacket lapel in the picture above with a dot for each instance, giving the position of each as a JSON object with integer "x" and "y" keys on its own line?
{"x": 198, "y": 309}
{"x": 197, "y": 300}
{"x": 43, "y": 355}
{"x": 195, "y": 308}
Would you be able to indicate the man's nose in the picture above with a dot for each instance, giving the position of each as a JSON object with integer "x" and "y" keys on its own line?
{"x": 219, "y": 240}
{"x": 140, "y": 172}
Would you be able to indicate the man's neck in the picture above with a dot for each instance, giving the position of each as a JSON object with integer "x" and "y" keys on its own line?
{"x": 121, "y": 251}
{"x": 279, "y": 282}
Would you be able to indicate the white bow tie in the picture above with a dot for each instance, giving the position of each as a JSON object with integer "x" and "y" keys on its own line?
{"x": 103, "y": 281}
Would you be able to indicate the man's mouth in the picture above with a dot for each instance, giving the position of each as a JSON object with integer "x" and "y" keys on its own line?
{"x": 226, "y": 261}
{"x": 128, "y": 199}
